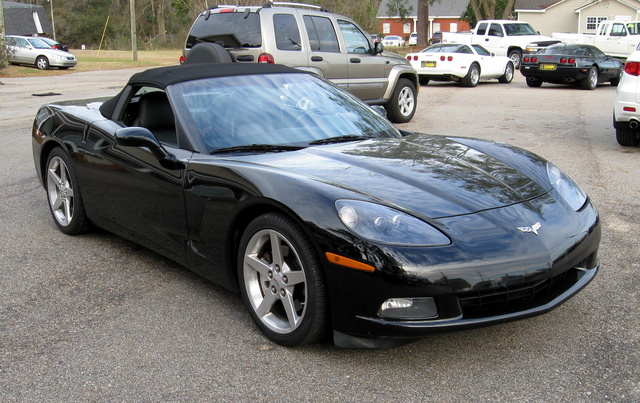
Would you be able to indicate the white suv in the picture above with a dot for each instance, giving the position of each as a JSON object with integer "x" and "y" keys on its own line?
{"x": 309, "y": 38}
{"x": 626, "y": 112}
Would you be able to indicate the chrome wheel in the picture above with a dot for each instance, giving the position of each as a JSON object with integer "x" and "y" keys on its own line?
{"x": 281, "y": 281}
{"x": 406, "y": 101}
{"x": 275, "y": 282}
{"x": 42, "y": 63}
{"x": 473, "y": 76}
{"x": 591, "y": 82}
{"x": 403, "y": 102}
{"x": 63, "y": 194}
{"x": 60, "y": 191}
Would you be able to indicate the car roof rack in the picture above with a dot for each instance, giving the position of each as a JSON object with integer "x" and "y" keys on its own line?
{"x": 270, "y": 4}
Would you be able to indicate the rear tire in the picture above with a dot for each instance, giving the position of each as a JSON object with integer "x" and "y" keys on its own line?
{"x": 63, "y": 194}
{"x": 473, "y": 76}
{"x": 627, "y": 137}
{"x": 423, "y": 80}
{"x": 534, "y": 82}
{"x": 516, "y": 58}
{"x": 507, "y": 77}
{"x": 403, "y": 102}
{"x": 591, "y": 81}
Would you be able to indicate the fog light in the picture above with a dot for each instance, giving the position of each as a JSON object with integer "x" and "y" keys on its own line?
{"x": 409, "y": 308}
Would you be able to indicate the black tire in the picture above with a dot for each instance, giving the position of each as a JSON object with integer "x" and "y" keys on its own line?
{"x": 63, "y": 68}
{"x": 616, "y": 80}
{"x": 473, "y": 76}
{"x": 63, "y": 194}
{"x": 402, "y": 105}
{"x": 423, "y": 80}
{"x": 627, "y": 137}
{"x": 42, "y": 63}
{"x": 207, "y": 52}
{"x": 291, "y": 278}
{"x": 591, "y": 81}
{"x": 534, "y": 82}
{"x": 509, "y": 72}
{"x": 516, "y": 58}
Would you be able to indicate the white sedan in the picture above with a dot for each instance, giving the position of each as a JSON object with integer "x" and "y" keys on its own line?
{"x": 463, "y": 63}
{"x": 393, "y": 41}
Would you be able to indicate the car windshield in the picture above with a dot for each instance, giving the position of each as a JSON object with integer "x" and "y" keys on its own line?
{"x": 38, "y": 43}
{"x": 519, "y": 29}
{"x": 274, "y": 109}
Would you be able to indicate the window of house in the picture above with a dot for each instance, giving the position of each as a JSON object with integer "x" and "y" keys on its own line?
{"x": 592, "y": 22}
{"x": 406, "y": 28}
{"x": 386, "y": 28}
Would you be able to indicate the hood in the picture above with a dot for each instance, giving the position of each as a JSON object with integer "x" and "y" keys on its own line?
{"x": 435, "y": 176}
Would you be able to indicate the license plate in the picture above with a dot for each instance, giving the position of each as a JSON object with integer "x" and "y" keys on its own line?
{"x": 428, "y": 64}
{"x": 547, "y": 66}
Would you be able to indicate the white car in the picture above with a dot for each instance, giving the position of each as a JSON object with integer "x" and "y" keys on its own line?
{"x": 463, "y": 63}
{"x": 34, "y": 51}
{"x": 626, "y": 110}
{"x": 413, "y": 39}
{"x": 393, "y": 41}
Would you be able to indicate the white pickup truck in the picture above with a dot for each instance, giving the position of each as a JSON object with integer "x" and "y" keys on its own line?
{"x": 502, "y": 37}
{"x": 614, "y": 38}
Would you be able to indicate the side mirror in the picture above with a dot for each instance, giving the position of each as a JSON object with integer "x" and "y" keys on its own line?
{"x": 378, "y": 48}
{"x": 142, "y": 137}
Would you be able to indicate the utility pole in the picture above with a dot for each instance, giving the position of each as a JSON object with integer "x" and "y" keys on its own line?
{"x": 3, "y": 46}
{"x": 134, "y": 39}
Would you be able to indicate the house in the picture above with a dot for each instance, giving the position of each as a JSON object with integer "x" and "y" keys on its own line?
{"x": 581, "y": 16}
{"x": 444, "y": 16}
{"x": 25, "y": 19}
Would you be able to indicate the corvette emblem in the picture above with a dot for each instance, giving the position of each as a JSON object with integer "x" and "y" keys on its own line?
{"x": 534, "y": 228}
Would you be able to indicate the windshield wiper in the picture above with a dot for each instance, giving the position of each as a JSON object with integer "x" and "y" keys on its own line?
{"x": 339, "y": 139}
{"x": 256, "y": 147}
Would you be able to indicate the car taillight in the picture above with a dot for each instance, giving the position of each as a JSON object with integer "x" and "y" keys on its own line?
{"x": 442, "y": 58}
{"x": 563, "y": 60}
{"x": 227, "y": 10}
{"x": 534, "y": 60}
{"x": 572, "y": 60}
{"x": 526, "y": 59}
{"x": 450, "y": 58}
{"x": 415, "y": 58}
{"x": 182, "y": 59}
{"x": 409, "y": 58}
{"x": 632, "y": 68}
{"x": 266, "y": 58}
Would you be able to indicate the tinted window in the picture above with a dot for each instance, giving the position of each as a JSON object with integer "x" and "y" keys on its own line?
{"x": 482, "y": 29}
{"x": 287, "y": 32}
{"x": 495, "y": 30}
{"x": 232, "y": 29}
{"x": 481, "y": 51}
{"x": 519, "y": 29}
{"x": 355, "y": 40}
{"x": 322, "y": 35}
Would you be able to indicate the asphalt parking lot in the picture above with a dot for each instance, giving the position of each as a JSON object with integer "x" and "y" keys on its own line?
{"x": 97, "y": 318}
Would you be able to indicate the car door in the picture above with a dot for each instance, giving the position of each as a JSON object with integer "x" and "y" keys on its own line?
{"x": 490, "y": 66}
{"x": 324, "y": 53}
{"x": 22, "y": 51}
{"x": 133, "y": 194}
{"x": 494, "y": 41}
{"x": 368, "y": 72}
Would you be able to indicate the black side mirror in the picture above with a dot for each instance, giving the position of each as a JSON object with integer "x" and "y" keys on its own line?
{"x": 378, "y": 48}
{"x": 142, "y": 137}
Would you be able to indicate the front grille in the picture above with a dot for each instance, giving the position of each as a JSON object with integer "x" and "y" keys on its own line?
{"x": 505, "y": 298}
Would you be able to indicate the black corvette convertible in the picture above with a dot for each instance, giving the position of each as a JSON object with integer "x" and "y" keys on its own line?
{"x": 571, "y": 64}
{"x": 324, "y": 216}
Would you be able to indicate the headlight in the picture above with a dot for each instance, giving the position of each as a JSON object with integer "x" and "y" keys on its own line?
{"x": 386, "y": 225}
{"x": 567, "y": 188}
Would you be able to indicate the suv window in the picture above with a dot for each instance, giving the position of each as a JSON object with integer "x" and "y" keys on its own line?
{"x": 286, "y": 32}
{"x": 322, "y": 35}
{"x": 231, "y": 28}
{"x": 355, "y": 40}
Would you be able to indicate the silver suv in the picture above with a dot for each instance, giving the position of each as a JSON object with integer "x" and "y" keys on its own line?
{"x": 309, "y": 38}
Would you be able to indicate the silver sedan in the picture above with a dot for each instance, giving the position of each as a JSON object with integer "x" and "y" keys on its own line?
{"x": 34, "y": 51}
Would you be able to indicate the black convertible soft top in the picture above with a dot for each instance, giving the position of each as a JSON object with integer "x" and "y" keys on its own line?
{"x": 163, "y": 77}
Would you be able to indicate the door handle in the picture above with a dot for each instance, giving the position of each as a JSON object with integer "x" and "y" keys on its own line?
{"x": 316, "y": 58}
{"x": 355, "y": 60}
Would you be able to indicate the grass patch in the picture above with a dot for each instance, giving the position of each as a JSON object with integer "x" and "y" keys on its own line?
{"x": 91, "y": 60}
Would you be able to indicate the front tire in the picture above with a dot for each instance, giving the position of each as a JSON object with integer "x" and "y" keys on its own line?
{"x": 507, "y": 77}
{"x": 473, "y": 76}
{"x": 516, "y": 58}
{"x": 627, "y": 137}
{"x": 281, "y": 281}
{"x": 42, "y": 63}
{"x": 591, "y": 81}
{"x": 63, "y": 194}
{"x": 403, "y": 102}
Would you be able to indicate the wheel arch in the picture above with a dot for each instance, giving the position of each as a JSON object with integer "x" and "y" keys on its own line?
{"x": 45, "y": 151}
